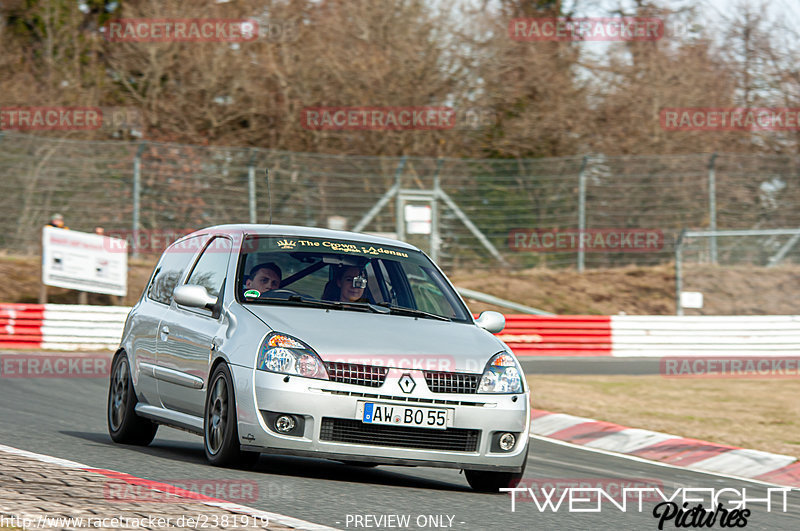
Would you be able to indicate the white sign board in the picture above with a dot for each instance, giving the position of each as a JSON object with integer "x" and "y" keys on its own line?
{"x": 692, "y": 299}
{"x": 418, "y": 219}
{"x": 84, "y": 262}
{"x": 337, "y": 222}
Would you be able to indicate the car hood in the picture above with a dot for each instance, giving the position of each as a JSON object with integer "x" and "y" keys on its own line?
{"x": 382, "y": 339}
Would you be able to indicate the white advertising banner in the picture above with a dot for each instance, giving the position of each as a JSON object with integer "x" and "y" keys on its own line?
{"x": 84, "y": 262}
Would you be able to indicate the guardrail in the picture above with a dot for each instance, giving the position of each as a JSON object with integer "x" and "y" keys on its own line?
{"x": 565, "y": 335}
{"x": 61, "y": 326}
{"x": 80, "y": 327}
{"x": 753, "y": 335}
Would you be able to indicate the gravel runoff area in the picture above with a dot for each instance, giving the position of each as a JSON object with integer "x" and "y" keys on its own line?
{"x": 37, "y": 492}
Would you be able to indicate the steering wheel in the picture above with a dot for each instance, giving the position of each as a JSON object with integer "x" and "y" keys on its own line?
{"x": 288, "y": 292}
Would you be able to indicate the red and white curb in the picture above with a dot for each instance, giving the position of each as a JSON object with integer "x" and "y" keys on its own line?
{"x": 671, "y": 449}
{"x": 175, "y": 491}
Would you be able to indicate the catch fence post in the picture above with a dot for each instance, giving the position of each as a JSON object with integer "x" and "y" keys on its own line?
{"x": 712, "y": 205}
{"x": 137, "y": 193}
{"x": 582, "y": 213}
{"x": 251, "y": 185}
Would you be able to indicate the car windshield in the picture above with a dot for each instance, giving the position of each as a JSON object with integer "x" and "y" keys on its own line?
{"x": 346, "y": 275}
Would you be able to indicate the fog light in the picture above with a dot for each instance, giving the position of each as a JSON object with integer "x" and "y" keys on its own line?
{"x": 286, "y": 423}
{"x": 507, "y": 441}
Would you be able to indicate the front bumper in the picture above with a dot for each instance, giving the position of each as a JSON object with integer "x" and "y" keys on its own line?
{"x": 324, "y": 405}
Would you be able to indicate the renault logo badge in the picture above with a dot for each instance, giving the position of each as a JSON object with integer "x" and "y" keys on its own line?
{"x": 407, "y": 383}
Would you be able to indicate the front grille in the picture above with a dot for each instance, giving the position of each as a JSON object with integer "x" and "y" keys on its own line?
{"x": 356, "y": 374}
{"x": 410, "y": 399}
{"x": 357, "y": 432}
{"x": 452, "y": 382}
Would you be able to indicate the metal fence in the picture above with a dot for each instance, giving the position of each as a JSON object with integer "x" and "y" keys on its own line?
{"x": 743, "y": 272}
{"x": 475, "y": 203}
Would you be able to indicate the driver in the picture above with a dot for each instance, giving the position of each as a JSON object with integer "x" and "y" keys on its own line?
{"x": 264, "y": 277}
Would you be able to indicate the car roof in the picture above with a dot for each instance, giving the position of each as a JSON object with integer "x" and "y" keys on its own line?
{"x": 301, "y": 232}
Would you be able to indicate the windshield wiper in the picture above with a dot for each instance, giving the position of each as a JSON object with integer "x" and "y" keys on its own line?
{"x": 400, "y": 310}
{"x": 361, "y": 306}
{"x": 297, "y": 300}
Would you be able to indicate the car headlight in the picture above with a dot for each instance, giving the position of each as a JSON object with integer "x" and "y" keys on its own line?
{"x": 286, "y": 355}
{"x": 502, "y": 375}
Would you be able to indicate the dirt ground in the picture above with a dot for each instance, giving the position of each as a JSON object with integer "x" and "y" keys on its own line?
{"x": 757, "y": 414}
{"x": 741, "y": 290}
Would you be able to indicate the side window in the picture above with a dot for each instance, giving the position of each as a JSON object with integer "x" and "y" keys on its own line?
{"x": 212, "y": 267}
{"x": 170, "y": 269}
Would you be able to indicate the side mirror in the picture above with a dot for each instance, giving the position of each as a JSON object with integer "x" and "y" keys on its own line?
{"x": 490, "y": 321}
{"x": 194, "y": 296}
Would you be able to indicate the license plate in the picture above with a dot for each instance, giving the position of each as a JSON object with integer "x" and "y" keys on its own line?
{"x": 396, "y": 415}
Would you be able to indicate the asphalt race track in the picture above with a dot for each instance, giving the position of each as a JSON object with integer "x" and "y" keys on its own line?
{"x": 66, "y": 418}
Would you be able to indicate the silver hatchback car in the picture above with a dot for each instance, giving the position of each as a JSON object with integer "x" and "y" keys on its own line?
{"x": 321, "y": 343}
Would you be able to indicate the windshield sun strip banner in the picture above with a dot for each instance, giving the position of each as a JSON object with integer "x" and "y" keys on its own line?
{"x": 324, "y": 245}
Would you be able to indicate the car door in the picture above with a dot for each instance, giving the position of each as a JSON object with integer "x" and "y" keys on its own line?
{"x": 147, "y": 317}
{"x": 189, "y": 336}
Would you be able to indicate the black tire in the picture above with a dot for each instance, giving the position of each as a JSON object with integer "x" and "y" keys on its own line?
{"x": 220, "y": 431}
{"x": 492, "y": 482}
{"x": 124, "y": 425}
